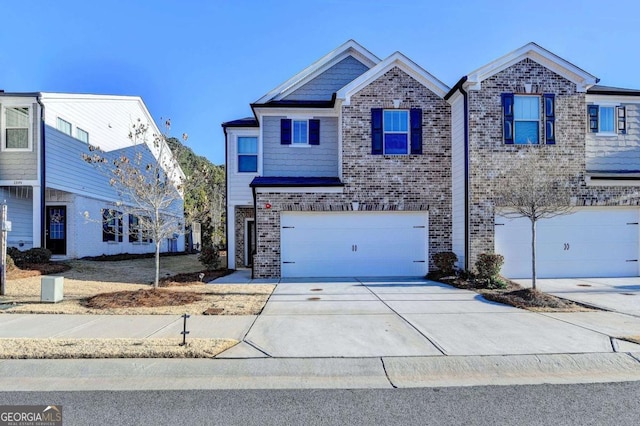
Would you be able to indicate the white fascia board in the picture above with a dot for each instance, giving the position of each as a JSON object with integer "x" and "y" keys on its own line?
{"x": 454, "y": 97}
{"x": 395, "y": 60}
{"x": 287, "y": 111}
{"x": 553, "y": 62}
{"x": 612, "y": 99}
{"x": 350, "y": 48}
{"x": 300, "y": 190}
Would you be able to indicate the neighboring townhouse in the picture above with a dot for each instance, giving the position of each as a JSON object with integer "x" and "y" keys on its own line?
{"x": 50, "y": 190}
{"x": 344, "y": 171}
{"x": 533, "y": 96}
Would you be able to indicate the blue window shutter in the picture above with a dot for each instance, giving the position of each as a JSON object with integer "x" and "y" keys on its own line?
{"x": 314, "y": 132}
{"x": 550, "y": 118}
{"x": 622, "y": 119}
{"x": 285, "y": 131}
{"x": 415, "y": 119}
{"x": 592, "y": 112}
{"x": 376, "y": 131}
{"x": 507, "y": 119}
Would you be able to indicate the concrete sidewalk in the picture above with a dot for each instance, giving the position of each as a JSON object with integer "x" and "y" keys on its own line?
{"x": 351, "y": 332}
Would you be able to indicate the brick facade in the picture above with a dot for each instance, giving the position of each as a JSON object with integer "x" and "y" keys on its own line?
{"x": 489, "y": 155}
{"x": 376, "y": 182}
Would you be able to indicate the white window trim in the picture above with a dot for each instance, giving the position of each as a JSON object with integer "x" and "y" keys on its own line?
{"x": 79, "y": 129}
{"x": 408, "y": 132}
{"x": 58, "y": 119}
{"x": 299, "y": 144}
{"x": 237, "y": 153}
{"x": 539, "y": 120}
{"x": 3, "y": 128}
{"x": 614, "y": 133}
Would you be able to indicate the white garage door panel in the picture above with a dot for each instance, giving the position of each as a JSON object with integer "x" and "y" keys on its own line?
{"x": 335, "y": 244}
{"x": 587, "y": 243}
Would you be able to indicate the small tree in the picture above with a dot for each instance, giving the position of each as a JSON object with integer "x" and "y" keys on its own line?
{"x": 537, "y": 187}
{"x": 148, "y": 182}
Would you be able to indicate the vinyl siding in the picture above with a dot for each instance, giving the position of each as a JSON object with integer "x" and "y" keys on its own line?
{"x": 238, "y": 190}
{"x": 20, "y": 212}
{"x": 21, "y": 165}
{"x": 457, "y": 178}
{"x": 326, "y": 84}
{"x": 287, "y": 160}
{"x": 618, "y": 152}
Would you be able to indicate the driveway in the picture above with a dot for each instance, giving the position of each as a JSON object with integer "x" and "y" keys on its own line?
{"x": 620, "y": 295}
{"x": 386, "y": 318}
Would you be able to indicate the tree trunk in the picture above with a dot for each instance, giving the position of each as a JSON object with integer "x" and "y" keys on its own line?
{"x": 157, "y": 279}
{"x": 533, "y": 254}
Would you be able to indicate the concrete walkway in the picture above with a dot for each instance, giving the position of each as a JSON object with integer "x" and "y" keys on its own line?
{"x": 352, "y": 332}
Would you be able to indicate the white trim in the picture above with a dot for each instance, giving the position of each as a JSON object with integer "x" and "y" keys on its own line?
{"x": 289, "y": 112}
{"x": 237, "y": 154}
{"x": 580, "y": 77}
{"x": 614, "y": 99}
{"x": 350, "y": 48}
{"x": 300, "y": 120}
{"x": 300, "y": 190}
{"x": 395, "y": 60}
{"x": 3, "y": 126}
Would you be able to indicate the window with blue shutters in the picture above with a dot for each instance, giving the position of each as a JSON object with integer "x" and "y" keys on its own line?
{"x": 396, "y": 131}
{"x": 607, "y": 120}
{"x": 549, "y": 118}
{"x": 521, "y": 119}
{"x": 299, "y": 132}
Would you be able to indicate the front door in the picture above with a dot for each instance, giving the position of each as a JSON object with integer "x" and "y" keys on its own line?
{"x": 56, "y": 233}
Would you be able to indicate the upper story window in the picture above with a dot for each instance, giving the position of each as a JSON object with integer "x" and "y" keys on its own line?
{"x": 16, "y": 125}
{"x": 522, "y": 116}
{"x": 64, "y": 126}
{"x": 82, "y": 135}
{"x": 298, "y": 132}
{"x": 607, "y": 119}
{"x": 247, "y": 154}
{"x": 396, "y": 131}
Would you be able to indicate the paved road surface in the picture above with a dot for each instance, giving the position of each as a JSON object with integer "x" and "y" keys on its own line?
{"x": 585, "y": 404}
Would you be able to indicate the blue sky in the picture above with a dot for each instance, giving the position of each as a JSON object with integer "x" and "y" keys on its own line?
{"x": 202, "y": 62}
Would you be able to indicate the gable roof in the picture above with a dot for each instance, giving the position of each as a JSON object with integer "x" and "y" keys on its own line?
{"x": 580, "y": 77}
{"x": 350, "y": 48}
{"x": 399, "y": 60}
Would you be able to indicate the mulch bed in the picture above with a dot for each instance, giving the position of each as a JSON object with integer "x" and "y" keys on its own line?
{"x": 141, "y": 298}
{"x": 32, "y": 270}
{"x": 193, "y": 278}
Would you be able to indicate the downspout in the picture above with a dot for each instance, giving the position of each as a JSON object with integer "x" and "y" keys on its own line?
{"x": 255, "y": 231}
{"x": 226, "y": 194}
{"x": 467, "y": 240}
{"x": 43, "y": 175}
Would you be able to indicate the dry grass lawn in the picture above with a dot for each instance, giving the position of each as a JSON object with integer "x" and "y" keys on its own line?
{"x": 87, "y": 278}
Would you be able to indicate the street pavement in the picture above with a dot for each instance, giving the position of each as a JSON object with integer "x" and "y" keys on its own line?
{"x": 344, "y": 333}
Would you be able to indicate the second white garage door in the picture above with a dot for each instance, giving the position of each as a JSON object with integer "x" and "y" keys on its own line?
{"x": 592, "y": 242}
{"x": 345, "y": 244}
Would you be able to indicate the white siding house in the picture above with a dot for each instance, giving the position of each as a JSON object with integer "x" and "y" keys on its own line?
{"x": 55, "y": 198}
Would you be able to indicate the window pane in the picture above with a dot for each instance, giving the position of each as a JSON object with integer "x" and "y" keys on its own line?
{"x": 606, "y": 119}
{"x": 82, "y": 135}
{"x": 17, "y": 117}
{"x": 64, "y": 126}
{"x": 248, "y": 163}
{"x": 300, "y": 131}
{"x": 247, "y": 145}
{"x": 396, "y": 121}
{"x": 527, "y": 108}
{"x": 526, "y": 132}
{"x": 395, "y": 143}
{"x": 17, "y": 138}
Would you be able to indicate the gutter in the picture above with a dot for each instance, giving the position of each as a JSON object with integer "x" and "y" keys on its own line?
{"x": 226, "y": 195}
{"x": 43, "y": 174}
{"x": 255, "y": 231}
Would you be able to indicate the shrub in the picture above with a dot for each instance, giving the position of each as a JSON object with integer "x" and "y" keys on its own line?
{"x": 488, "y": 266}
{"x": 37, "y": 255}
{"x": 10, "y": 266}
{"x": 210, "y": 257}
{"x": 16, "y": 255}
{"x": 446, "y": 262}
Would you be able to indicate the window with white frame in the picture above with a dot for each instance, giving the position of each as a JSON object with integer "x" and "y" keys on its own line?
{"x": 111, "y": 225}
{"x": 300, "y": 134}
{"x": 82, "y": 135}
{"x": 526, "y": 119}
{"x": 396, "y": 131}
{"x": 138, "y": 233}
{"x": 247, "y": 154}
{"x": 607, "y": 119}
{"x": 16, "y": 128}
{"x": 64, "y": 126}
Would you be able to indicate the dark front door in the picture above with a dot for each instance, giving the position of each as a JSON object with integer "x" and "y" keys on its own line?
{"x": 251, "y": 242}
{"x": 56, "y": 238}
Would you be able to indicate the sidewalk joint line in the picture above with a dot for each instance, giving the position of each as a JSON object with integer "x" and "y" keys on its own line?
{"x": 386, "y": 374}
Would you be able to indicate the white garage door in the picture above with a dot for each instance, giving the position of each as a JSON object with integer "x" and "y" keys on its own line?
{"x": 343, "y": 244}
{"x": 594, "y": 242}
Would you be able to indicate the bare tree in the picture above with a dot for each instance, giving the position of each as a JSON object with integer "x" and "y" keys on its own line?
{"x": 148, "y": 182}
{"x": 536, "y": 187}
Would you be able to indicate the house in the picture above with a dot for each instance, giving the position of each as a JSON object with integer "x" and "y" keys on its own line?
{"x": 532, "y": 95}
{"x": 360, "y": 166}
{"x": 51, "y": 191}
{"x": 343, "y": 170}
